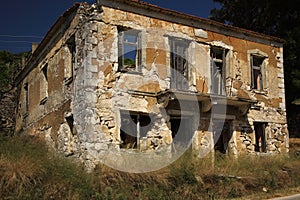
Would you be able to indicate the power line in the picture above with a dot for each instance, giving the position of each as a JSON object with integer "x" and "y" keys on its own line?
{"x": 8, "y": 41}
{"x": 21, "y": 36}
{"x": 2, "y": 47}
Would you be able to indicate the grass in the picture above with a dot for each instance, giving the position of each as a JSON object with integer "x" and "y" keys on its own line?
{"x": 28, "y": 170}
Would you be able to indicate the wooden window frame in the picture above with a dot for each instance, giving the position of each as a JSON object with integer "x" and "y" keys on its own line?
{"x": 179, "y": 63}
{"x": 121, "y": 50}
{"x": 138, "y": 133}
{"x": 217, "y": 63}
{"x": 256, "y": 71}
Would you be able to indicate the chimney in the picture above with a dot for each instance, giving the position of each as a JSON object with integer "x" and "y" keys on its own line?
{"x": 34, "y": 46}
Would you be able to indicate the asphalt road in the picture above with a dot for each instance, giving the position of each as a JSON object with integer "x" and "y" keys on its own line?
{"x": 293, "y": 197}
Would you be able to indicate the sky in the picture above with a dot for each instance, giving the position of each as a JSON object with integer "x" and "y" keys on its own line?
{"x": 25, "y": 22}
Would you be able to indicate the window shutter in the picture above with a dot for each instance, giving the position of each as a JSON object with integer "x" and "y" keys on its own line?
{"x": 68, "y": 63}
{"x": 172, "y": 62}
{"x": 264, "y": 71}
{"x": 139, "y": 51}
{"x": 185, "y": 67}
{"x": 211, "y": 72}
{"x": 223, "y": 86}
{"x": 252, "y": 72}
{"x": 120, "y": 50}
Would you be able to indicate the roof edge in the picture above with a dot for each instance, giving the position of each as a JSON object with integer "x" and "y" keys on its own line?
{"x": 208, "y": 24}
{"x": 41, "y": 47}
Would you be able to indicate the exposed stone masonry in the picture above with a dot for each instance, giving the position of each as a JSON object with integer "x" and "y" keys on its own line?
{"x": 86, "y": 107}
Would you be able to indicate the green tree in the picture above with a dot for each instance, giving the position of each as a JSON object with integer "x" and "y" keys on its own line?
{"x": 273, "y": 17}
{"x": 6, "y": 68}
{"x": 9, "y": 65}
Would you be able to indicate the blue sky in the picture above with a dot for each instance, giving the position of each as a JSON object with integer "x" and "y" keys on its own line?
{"x": 24, "y": 22}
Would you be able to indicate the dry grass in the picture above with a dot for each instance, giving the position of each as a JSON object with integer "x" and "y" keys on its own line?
{"x": 29, "y": 171}
{"x": 17, "y": 175}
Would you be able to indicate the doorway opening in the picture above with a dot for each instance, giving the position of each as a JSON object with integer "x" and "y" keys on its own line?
{"x": 222, "y": 134}
{"x": 260, "y": 137}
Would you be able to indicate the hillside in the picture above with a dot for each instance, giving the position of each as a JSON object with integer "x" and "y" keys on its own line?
{"x": 28, "y": 170}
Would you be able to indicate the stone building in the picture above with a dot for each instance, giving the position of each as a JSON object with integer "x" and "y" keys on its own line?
{"x": 127, "y": 76}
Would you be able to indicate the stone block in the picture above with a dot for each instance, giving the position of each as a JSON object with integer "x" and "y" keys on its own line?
{"x": 201, "y": 33}
{"x": 280, "y": 75}
{"x": 89, "y": 146}
{"x": 101, "y": 146}
{"x": 92, "y": 68}
{"x": 93, "y": 27}
{"x": 281, "y": 85}
{"x": 91, "y": 83}
{"x": 92, "y": 40}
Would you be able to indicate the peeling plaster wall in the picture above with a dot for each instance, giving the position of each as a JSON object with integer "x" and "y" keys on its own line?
{"x": 98, "y": 92}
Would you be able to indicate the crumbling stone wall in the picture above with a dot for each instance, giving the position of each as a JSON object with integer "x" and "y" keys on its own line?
{"x": 87, "y": 94}
{"x": 7, "y": 110}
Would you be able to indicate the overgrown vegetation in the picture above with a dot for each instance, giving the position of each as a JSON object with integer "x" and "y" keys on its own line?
{"x": 10, "y": 64}
{"x": 28, "y": 170}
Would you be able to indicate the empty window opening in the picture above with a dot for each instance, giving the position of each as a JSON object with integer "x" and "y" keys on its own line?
{"x": 179, "y": 64}
{"x": 129, "y": 50}
{"x": 45, "y": 72}
{"x": 26, "y": 90}
{"x": 44, "y": 85}
{"x": 70, "y": 122}
{"x": 134, "y": 126}
{"x": 260, "y": 137}
{"x": 182, "y": 132}
{"x": 222, "y": 135}
{"x": 256, "y": 68}
{"x": 71, "y": 62}
{"x": 218, "y": 62}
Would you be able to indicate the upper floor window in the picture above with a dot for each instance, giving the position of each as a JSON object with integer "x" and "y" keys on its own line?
{"x": 129, "y": 50}
{"x": 218, "y": 70}
{"x": 69, "y": 60}
{"x": 44, "y": 85}
{"x": 179, "y": 64}
{"x": 256, "y": 72}
{"x": 26, "y": 90}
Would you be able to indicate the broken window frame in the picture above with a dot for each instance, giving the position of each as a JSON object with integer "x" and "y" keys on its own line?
{"x": 137, "y": 133}
{"x": 257, "y": 78}
{"x": 122, "y": 43}
{"x": 218, "y": 70}
{"x": 179, "y": 63}
{"x": 44, "y": 83}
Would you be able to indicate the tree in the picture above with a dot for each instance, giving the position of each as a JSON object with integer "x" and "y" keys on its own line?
{"x": 6, "y": 68}
{"x": 9, "y": 65}
{"x": 273, "y": 17}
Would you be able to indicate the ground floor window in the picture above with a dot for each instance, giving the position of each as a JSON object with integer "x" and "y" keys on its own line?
{"x": 134, "y": 126}
{"x": 260, "y": 137}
